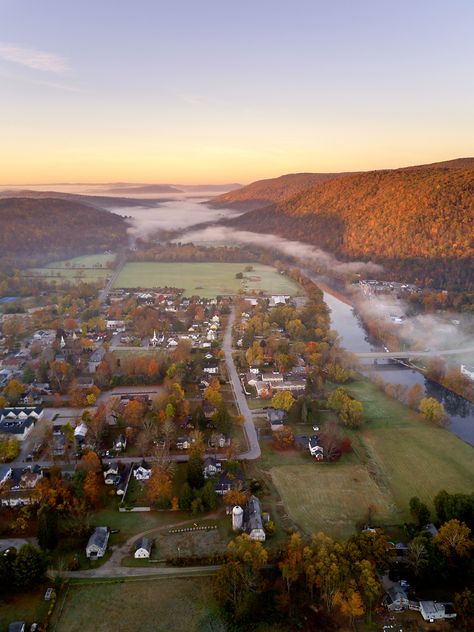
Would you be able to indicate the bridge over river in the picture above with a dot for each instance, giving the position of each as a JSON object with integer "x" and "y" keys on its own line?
{"x": 405, "y": 355}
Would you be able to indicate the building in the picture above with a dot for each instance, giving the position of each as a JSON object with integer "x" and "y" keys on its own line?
{"x": 142, "y": 549}
{"x": 237, "y": 518}
{"x": 433, "y": 611}
{"x": 468, "y": 371}
{"x": 253, "y": 520}
{"x": 95, "y": 359}
{"x": 19, "y": 422}
{"x": 277, "y": 418}
{"x": 97, "y": 544}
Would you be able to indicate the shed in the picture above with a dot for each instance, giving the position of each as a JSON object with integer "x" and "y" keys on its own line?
{"x": 142, "y": 548}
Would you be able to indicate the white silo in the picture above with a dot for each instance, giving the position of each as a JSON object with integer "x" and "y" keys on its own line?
{"x": 237, "y": 518}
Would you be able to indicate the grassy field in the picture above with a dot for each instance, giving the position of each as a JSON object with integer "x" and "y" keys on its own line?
{"x": 397, "y": 455}
{"x": 181, "y": 605}
{"x": 330, "y": 497}
{"x": 86, "y": 268}
{"x": 205, "y": 279}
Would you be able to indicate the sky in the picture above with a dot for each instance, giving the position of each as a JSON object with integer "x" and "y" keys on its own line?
{"x": 216, "y": 91}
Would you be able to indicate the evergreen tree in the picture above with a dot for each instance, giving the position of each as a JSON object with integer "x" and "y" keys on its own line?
{"x": 47, "y": 528}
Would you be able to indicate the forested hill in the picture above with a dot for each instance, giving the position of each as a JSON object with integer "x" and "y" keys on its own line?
{"x": 264, "y": 192}
{"x": 418, "y": 222}
{"x": 34, "y": 231}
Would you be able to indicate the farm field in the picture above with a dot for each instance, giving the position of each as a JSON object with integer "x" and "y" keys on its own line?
{"x": 86, "y": 268}
{"x": 330, "y": 497}
{"x": 205, "y": 279}
{"x": 397, "y": 455}
{"x": 181, "y": 605}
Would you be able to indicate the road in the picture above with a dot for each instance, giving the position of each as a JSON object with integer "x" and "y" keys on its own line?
{"x": 122, "y": 259}
{"x": 249, "y": 427}
{"x": 379, "y": 355}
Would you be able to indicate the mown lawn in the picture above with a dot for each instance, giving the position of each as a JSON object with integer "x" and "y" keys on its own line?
{"x": 205, "y": 279}
{"x": 397, "y": 455}
{"x": 181, "y": 605}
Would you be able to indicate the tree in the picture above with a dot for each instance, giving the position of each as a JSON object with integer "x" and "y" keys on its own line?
{"x": 234, "y": 497}
{"x": 350, "y": 604}
{"x": 283, "y": 400}
{"x": 209, "y": 496}
{"x": 185, "y": 497}
{"x": 453, "y": 539}
{"x": 13, "y": 391}
{"x": 417, "y": 556}
{"x": 133, "y": 413}
{"x": 194, "y": 474}
{"x": 238, "y": 582}
{"x": 47, "y": 527}
{"x": 464, "y": 607}
{"x": 159, "y": 486}
{"x": 291, "y": 565}
{"x": 93, "y": 488}
{"x": 337, "y": 398}
{"x": 419, "y": 511}
{"x": 90, "y": 462}
{"x": 9, "y": 449}
{"x": 28, "y": 375}
{"x": 352, "y": 413}
{"x": 414, "y": 396}
{"x": 222, "y": 419}
{"x": 433, "y": 411}
{"x": 29, "y": 567}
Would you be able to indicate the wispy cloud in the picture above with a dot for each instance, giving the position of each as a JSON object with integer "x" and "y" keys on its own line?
{"x": 32, "y": 58}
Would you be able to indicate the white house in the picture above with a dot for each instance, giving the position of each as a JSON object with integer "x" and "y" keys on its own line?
{"x": 18, "y": 422}
{"x": 142, "y": 472}
{"x": 315, "y": 449}
{"x": 97, "y": 544}
{"x": 142, "y": 549}
{"x": 468, "y": 371}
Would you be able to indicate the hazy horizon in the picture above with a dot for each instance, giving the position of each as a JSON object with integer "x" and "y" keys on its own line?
{"x": 213, "y": 92}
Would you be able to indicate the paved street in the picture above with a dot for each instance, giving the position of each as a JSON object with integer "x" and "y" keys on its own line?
{"x": 254, "y": 447}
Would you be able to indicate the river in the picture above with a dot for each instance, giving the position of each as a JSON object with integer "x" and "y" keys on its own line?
{"x": 354, "y": 338}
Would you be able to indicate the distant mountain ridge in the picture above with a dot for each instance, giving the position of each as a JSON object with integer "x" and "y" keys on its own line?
{"x": 416, "y": 221}
{"x": 97, "y": 201}
{"x": 35, "y": 231}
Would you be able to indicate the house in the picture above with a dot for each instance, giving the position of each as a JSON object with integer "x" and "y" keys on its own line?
{"x": 433, "y": 611}
{"x": 211, "y": 368}
{"x": 80, "y": 432}
{"x": 276, "y": 417}
{"x": 183, "y": 443}
{"x": 25, "y": 477}
{"x": 314, "y": 448}
{"x": 278, "y": 300}
{"x": 253, "y": 520}
{"x": 5, "y": 474}
{"x": 142, "y": 472}
{"x": 59, "y": 444}
{"x": 142, "y": 549}
{"x": 120, "y": 443}
{"x": 122, "y": 481}
{"x": 97, "y": 544}
{"x": 467, "y": 371}
{"x": 211, "y": 467}
{"x": 118, "y": 325}
{"x": 17, "y": 626}
{"x": 111, "y": 475}
{"x": 19, "y": 421}
{"x": 396, "y": 599}
{"x": 226, "y": 482}
{"x": 95, "y": 359}
{"x": 270, "y": 379}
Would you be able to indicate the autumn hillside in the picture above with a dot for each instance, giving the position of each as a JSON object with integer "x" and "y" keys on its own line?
{"x": 264, "y": 192}
{"x": 418, "y": 222}
{"x": 39, "y": 230}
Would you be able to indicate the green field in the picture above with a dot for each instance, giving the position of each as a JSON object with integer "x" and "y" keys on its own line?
{"x": 180, "y": 605}
{"x": 205, "y": 279}
{"x": 397, "y": 455}
{"x": 86, "y": 268}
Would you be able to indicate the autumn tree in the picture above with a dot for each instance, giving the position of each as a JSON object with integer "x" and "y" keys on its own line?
{"x": 283, "y": 400}
{"x": 352, "y": 413}
{"x": 414, "y": 396}
{"x": 291, "y": 565}
{"x": 133, "y": 413}
{"x": 417, "y": 556}
{"x": 433, "y": 410}
{"x": 13, "y": 391}
{"x": 159, "y": 486}
{"x": 453, "y": 539}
